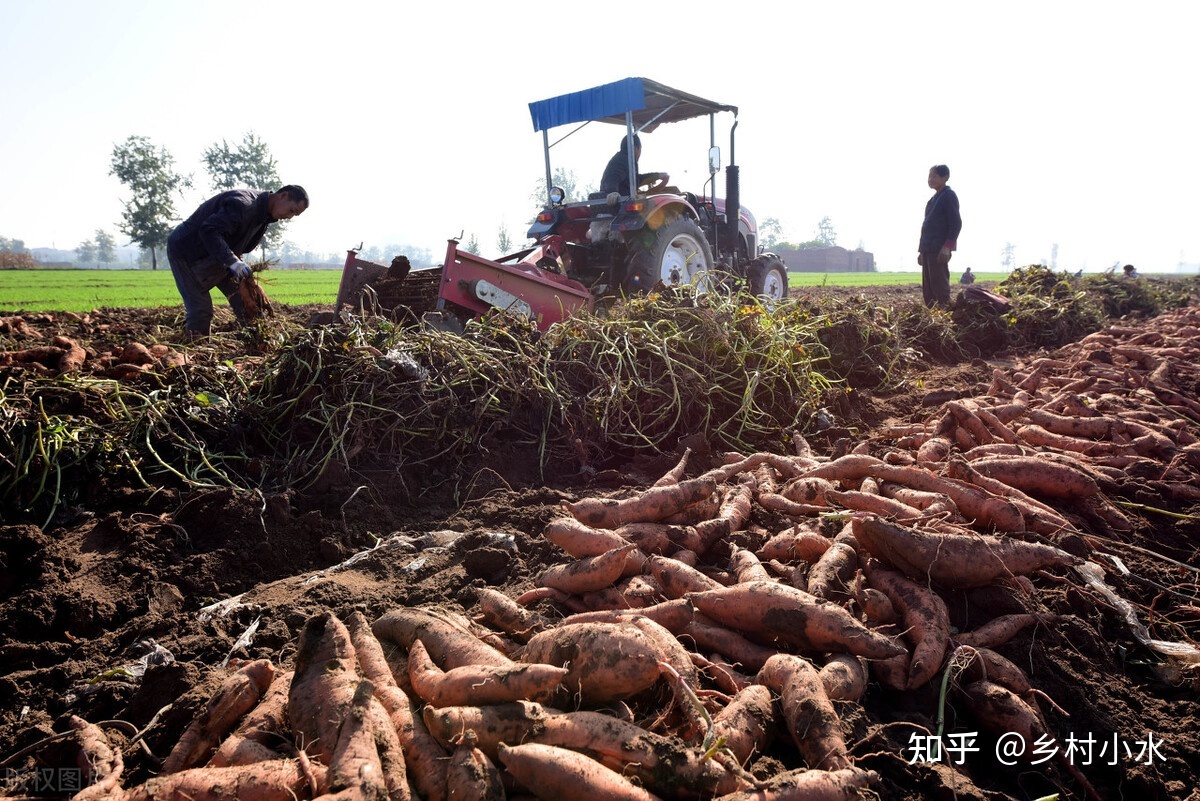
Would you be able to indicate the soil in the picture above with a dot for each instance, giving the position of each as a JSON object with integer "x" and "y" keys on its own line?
{"x": 110, "y": 615}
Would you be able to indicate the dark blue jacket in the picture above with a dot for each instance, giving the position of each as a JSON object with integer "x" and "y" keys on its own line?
{"x": 223, "y": 228}
{"x": 942, "y": 222}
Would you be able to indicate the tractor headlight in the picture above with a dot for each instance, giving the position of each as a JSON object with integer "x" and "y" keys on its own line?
{"x": 557, "y": 195}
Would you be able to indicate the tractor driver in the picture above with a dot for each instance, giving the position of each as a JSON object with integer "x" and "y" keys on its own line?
{"x": 616, "y": 174}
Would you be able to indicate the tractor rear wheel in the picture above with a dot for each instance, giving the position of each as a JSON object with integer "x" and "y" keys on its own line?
{"x": 678, "y": 255}
{"x": 768, "y": 278}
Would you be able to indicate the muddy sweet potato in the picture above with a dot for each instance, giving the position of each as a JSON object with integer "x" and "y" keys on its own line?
{"x": 954, "y": 560}
{"x": 811, "y": 719}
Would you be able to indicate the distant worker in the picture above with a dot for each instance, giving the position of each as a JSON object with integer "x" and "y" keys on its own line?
{"x": 616, "y": 173}
{"x": 939, "y": 238}
{"x": 206, "y": 249}
{"x": 967, "y": 277}
{"x": 1130, "y": 271}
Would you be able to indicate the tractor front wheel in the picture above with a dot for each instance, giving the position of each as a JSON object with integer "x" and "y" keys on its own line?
{"x": 768, "y": 278}
{"x": 678, "y": 255}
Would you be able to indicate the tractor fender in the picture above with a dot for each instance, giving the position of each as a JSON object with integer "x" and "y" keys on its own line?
{"x": 657, "y": 211}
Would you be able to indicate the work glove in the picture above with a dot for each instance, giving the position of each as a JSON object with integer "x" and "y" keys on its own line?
{"x": 240, "y": 271}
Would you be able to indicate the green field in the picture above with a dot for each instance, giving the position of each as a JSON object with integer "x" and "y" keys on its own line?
{"x": 84, "y": 290}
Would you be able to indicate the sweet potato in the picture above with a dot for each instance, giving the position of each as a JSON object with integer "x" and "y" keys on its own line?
{"x": 747, "y": 723}
{"x": 580, "y": 540}
{"x": 708, "y": 637}
{"x": 424, "y": 758}
{"x": 844, "y": 677}
{"x": 777, "y": 503}
{"x": 795, "y": 543}
{"x": 591, "y": 573}
{"x": 100, "y": 765}
{"x": 323, "y": 684}
{"x": 507, "y": 723}
{"x": 367, "y": 761}
{"x": 471, "y": 776}
{"x": 605, "y": 661}
{"x": 1038, "y": 476}
{"x": 657, "y": 762}
{"x": 974, "y": 503}
{"x": 678, "y": 579}
{"x": 674, "y": 615}
{"x": 849, "y": 469}
{"x": 811, "y": 719}
{"x": 925, "y": 616}
{"x": 732, "y": 516}
{"x": 648, "y": 506}
{"x": 651, "y": 538}
{"x": 450, "y": 644}
{"x": 479, "y": 684}
{"x": 892, "y": 672}
{"x": 1038, "y": 516}
{"x": 1000, "y": 630}
{"x": 506, "y": 614}
{"x": 829, "y": 575}
{"x": 812, "y": 785}
{"x": 675, "y": 474}
{"x": 954, "y": 560}
{"x": 239, "y": 694}
{"x": 261, "y": 729}
{"x": 809, "y": 489}
{"x": 551, "y": 772}
{"x": 746, "y": 566}
{"x": 777, "y": 611}
{"x": 73, "y": 355}
{"x": 277, "y": 780}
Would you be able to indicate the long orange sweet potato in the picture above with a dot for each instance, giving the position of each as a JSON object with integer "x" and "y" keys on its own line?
{"x": 471, "y": 776}
{"x": 1039, "y": 477}
{"x": 650, "y": 505}
{"x": 323, "y": 684}
{"x": 100, "y": 765}
{"x": 424, "y": 757}
{"x": 480, "y": 684}
{"x": 552, "y": 772}
{"x": 1000, "y": 630}
{"x": 747, "y": 723}
{"x": 504, "y": 613}
{"x": 954, "y": 560}
{"x": 367, "y": 762}
{"x": 812, "y": 721}
{"x": 678, "y": 579}
{"x": 591, "y": 573}
{"x": 780, "y": 612}
{"x": 813, "y": 785}
{"x": 498, "y": 723}
{"x": 239, "y": 694}
{"x": 277, "y": 780}
{"x": 926, "y": 619}
{"x": 450, "y": 644}
{"x": 708, "y": 637}
{"x": 579, "y": 539}
{"x": 795, "y": 543}
{"x": 260, "y": 730}
{"x": 659, "y": 763}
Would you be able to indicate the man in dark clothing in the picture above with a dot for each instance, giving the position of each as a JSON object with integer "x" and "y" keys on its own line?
{"x": 939, "y": 238}
{"x": 616, "y": 173}
{"x": 206, "y": 249}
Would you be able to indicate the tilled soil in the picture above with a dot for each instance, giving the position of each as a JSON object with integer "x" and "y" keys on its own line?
{"x": 113, "y": 615}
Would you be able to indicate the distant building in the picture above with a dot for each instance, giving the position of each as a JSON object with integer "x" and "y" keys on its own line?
{"x": 827, "y": 260}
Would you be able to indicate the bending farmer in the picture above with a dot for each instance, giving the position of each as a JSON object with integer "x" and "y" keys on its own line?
{"x": 206, "y": 249}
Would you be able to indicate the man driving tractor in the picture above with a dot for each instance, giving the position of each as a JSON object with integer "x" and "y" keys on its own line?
{"x": 616, "y": 173}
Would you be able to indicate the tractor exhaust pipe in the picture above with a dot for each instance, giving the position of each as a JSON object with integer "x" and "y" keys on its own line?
{"x": 733, "y": 198}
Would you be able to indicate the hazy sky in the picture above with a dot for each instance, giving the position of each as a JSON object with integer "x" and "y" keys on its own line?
{"x": 1062, "y": 122}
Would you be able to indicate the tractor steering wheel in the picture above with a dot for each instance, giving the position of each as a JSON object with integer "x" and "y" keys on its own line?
{"x": 656, "y": 180}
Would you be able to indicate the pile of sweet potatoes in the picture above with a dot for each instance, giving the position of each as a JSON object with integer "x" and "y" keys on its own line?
{"x": 702, "y": 621}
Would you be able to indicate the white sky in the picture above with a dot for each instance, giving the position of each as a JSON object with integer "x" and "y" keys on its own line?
{"x": 1062, "y": 122}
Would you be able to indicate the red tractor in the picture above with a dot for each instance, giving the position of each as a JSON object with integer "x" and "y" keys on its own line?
{"x": 612, "y": 242}
{"x": 601, "y": 247}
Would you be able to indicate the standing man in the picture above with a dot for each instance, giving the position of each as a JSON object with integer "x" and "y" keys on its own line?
{"x": 939, "y": 238}
{"x": 206, "y": 249}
